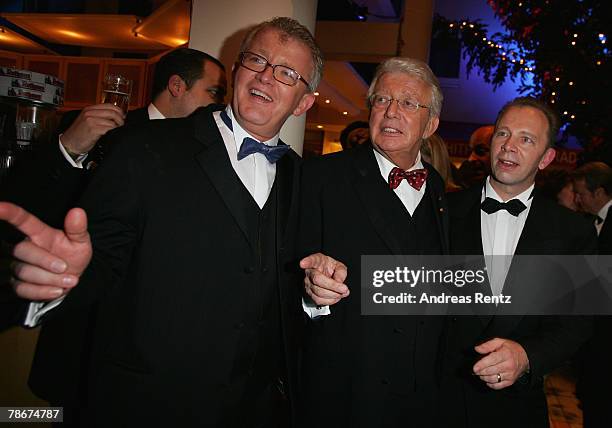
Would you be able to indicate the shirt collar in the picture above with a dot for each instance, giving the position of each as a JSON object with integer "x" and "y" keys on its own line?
{"x": 154, "y": 113}
{"x": 240, "y": 133}
{"x": 385, "y": 165}
{"x": 603, "y": 212}
{"x": 524, "y": 197}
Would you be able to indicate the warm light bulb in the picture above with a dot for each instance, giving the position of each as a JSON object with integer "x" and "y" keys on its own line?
{"x": 327, "y": 101}
{"x": 316, "y": 94}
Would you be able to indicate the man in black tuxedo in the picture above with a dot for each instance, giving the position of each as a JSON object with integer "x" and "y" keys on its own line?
{"x": 192, "y": 222}
{"x": 493, "y": 366}
{"x": 593, "y": 187}
{"x": 378, "y": 198}
{"x": 53, "y": 182}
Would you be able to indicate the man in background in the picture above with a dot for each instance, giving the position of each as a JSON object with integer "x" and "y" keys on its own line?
{"x": 593, "y": 187}
{"x": 475, "y": 169}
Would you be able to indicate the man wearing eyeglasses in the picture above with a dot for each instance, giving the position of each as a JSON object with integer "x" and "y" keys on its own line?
{"x": 194, "y": 270}
{"x": 374, "y": 199}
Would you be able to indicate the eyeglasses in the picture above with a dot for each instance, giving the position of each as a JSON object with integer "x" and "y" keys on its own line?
{"x": 281, "y": 73}
{"x": 383, "y": 101}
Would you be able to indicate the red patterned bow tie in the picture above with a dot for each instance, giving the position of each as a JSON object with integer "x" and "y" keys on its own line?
{"x": 416, "y": 178}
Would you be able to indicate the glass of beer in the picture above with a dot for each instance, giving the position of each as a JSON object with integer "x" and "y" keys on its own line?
{"x": 116, "y": 90}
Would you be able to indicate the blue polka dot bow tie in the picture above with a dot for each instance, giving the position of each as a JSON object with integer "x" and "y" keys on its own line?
{"x": 251, "y": 145}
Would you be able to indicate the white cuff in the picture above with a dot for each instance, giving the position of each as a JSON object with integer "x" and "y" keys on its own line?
{"x": 312, "y": 310}
{"x": 37, "y": 309}
{"x": 78, "y": 162}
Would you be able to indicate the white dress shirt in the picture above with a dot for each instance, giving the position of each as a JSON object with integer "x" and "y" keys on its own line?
{"x": 255, "y": 171}
{"x": 500, "y": 235}
{"x": 408, "y": 195}
{"x": 602, "y": 214}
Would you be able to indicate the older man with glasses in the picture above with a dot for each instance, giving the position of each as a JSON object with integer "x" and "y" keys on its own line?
{"x": 374, "y": 199}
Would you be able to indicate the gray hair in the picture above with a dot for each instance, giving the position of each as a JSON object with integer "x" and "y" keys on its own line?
{"x": 415, "y": 68}
{"x": 296, "y": 31}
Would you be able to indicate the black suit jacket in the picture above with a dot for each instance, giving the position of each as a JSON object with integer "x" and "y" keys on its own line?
{"x": 355, "y": 366}
{"x": 172, "y": 266}
{"x": 548, "y": 341}
{"x": 592, "y": 387}
{"x": 48, "y": 186}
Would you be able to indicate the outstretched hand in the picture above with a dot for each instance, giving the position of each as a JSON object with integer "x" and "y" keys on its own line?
{"x": 49, "y": 262}
{"x": 324, "y": 279}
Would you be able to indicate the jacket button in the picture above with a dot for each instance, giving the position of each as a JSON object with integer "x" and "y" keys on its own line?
{"x": 385, "y": 381}
{"x": 265, "y": 270}
{"x": 239, "y": 325}
{"x": 249, "y": 269}
{"x": 398, "y": 330}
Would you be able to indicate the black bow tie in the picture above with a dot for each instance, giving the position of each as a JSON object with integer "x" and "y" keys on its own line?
{"x": 513, "y": 206}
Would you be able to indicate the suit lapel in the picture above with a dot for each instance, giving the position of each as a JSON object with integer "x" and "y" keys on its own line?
{"x": 215, "y": 163}
{"x": 365, "y": 178}
{"x": 440, "y": 210}
{"x": 466, "y": 236}
{"x": 535, "y": 239}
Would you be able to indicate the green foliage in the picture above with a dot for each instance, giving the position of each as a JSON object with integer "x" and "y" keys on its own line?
{"x": 559, "y": 50}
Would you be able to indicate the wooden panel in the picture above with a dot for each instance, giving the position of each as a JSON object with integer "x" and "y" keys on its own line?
{"x": 43, "y": 64}
{"x": 10, "y": 59}
{"x": 83, "y": 80}
{"x": 148, "y": 93}
{"x": 133, "y": 70}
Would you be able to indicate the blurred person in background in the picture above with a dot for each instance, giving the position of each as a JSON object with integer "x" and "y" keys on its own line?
{"x": 354, "y": 134}
{"x": 477, "y": 167}
{"x": 435, "y": 152}
{"x": 557, "y": 185}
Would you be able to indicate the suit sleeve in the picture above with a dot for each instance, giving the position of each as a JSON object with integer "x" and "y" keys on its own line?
{"x": 112, "y": 203}
{"x": 310, "y": 233}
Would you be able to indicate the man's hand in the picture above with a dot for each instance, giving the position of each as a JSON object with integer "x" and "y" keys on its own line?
{"x": 324, "y": 279}
{"x": 48, "y": 262}
{"x": 91, "y": 124}
{"x": 505, "y": 361}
